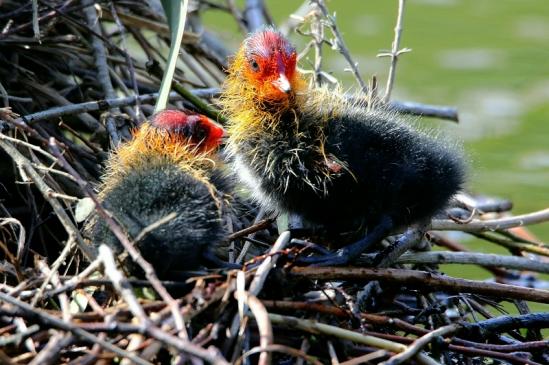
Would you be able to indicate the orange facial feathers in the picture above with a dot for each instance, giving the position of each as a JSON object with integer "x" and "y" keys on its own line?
{"x": 171, "y": 137}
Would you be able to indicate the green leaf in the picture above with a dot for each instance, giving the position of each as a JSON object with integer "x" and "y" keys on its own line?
{"x": 176, "y": 14}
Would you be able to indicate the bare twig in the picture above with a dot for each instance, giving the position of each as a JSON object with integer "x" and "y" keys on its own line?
{"x": 339, "y": 45}
{"x": 420, "y": 343}
{"x": 59, "y": 210}
{"x": 493, "y": 224}
{"x": 395, "y": 52}
{"x": 254, "y": 14}
{"x": 425, "y": 281}
{"x": 102, "y": 67}
{"x": 51, "y": 320}
{"x": 317, "y": 327}
{"x": 474, "y": 258}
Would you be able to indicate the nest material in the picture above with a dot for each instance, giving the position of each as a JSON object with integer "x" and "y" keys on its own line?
{"x": 69, "y": 79}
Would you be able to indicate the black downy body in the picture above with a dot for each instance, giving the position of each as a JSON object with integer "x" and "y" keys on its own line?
{"x": 351, "y": 170}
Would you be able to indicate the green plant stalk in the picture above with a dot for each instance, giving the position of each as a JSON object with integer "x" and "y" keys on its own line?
{"x": 176, "y": 16}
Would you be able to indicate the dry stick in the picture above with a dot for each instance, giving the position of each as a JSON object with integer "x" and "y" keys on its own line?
{"x": 473, "y": 258}
{"x": 102, "y": 67}
{"x": 493, "y": 224}
{"x": 267, "y": 264}
{"x": 393, "y": 322}
{"x": 507, "y": 323}
{"x": 259, "y": 224}
{"x": 366, "y": 358}
{"x": 49, "y": 320}
{"x": 260, "y": 275}
{"x": 254, "y": 14}
{"x": 424, "y": 281}
{"x": 282, "y": 349}
{"x": 263, "y": 324}
{"x": 537, "y": 248}
{"x": 255, "y": 227}
{"x": 21, "y": 236}
{"x": 69, "y": 246}
{"x": 237, "y": 15}
{"x": 129, "y": 61}
{"x": 117, "y": 231}
{"x": 104, "y": 104}
{"x": 424, "y": 110}
{"x": 52, "y": 351}
{"x": 316, "y": 328}
{"x": 339, "y": 44}
{"x": 395, "y": 52}
{"x": 19, "y": 336}
{"x": 420, "y": 343}
{"x": 122, "y": 285}
{"x": 59, "y": 210}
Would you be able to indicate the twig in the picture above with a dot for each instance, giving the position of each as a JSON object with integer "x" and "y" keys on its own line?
{"x": 69, "y": 246}
{"x": 19, "y": 336}
{"x": 105, "y": 104}
{"x": 484, "y": 329}
{"x": 121, "y": 284}
{"x": 395, "y": 52}
{"x": 424, "y": 110}
{"x": 282, "y": 349}
{"x": 50, "y": 320}
{"x": 474, "y": 258}
{"x": 491, "y": 225}
{"x": 129, "y": 61}
{"x": 263, "y": 324}
{"x": 317, "y": 327}
{"x": 59, "y": 210}
{"x": 102, "y": 68}
{"x": 424, "y": 281}
{"x": 254, "y": 14}
{"x": 267, "y": 264}
{"x": 338, "y": 44}
{"x": 420, "y": 343}
{"x": 261, "y": 225}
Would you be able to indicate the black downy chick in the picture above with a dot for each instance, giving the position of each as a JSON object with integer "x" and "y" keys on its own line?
{"x": 315, "y": 153}
{"x": 168, "y": 167}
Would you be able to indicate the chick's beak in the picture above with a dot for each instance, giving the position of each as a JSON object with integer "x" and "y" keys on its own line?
{"x": 282, "y": 83}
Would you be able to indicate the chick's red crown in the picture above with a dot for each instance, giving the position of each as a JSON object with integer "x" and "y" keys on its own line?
{"x": 198, "y": 129}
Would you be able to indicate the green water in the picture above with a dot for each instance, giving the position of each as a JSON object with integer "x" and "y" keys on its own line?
{"x": 490, "y": 59}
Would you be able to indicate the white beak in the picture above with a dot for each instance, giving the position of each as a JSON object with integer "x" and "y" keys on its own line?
{"x": 282, "y": 83}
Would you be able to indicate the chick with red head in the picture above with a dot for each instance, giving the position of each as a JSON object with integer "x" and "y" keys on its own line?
{"x": 316, "y": 153}
{"x": 168, "y": 167}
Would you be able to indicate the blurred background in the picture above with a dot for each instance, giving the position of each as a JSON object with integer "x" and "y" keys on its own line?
{"x": 489, "y": 59}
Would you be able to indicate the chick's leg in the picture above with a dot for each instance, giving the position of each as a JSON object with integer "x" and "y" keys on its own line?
{"x": 352, "y": 251}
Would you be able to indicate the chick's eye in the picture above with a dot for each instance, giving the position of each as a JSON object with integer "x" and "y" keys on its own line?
{"x": 200, "y": 133}
{"x": 254, "y": 65}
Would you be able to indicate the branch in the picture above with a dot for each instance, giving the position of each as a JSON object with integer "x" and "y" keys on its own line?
{"x": 46, "y": 191}
{"x": 254, "y": 14}
{"x": 424, "y": 281}
{"x": 395, "y": 52}
{"x": 103, "y": 76}
{"x": 317, "y": 327}
{"x": 473, "y": 258}
{"x": 488, "y": 327}
{"x": 49, "y": 320}
{"x": 493, "y": 224}
{"x": 339, "y": 45}
{"x": 420, "y": 343}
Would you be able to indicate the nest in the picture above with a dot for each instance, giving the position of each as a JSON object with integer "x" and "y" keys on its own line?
{"x": 76, "y": 77}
